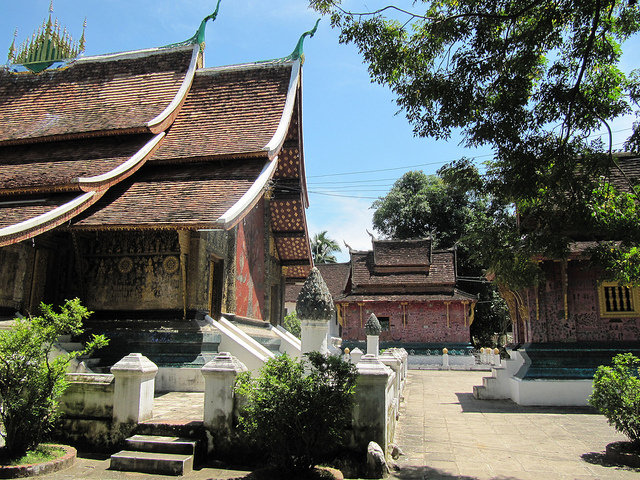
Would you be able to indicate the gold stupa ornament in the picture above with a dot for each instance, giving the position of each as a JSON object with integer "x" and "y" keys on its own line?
{"x": 48, "y": 45}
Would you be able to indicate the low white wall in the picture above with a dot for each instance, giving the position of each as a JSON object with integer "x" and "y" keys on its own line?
{"x": 89, "y": 395}
{"x": 573, "y": 393}
{"x": 437, "y": 360}
{"x": 175, "y": 379}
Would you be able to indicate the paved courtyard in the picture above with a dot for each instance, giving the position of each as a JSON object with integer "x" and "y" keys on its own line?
{"x": 447, "y": 434}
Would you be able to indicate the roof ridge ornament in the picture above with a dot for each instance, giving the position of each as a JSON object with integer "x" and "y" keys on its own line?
{"x": 48, "y": 45}
{"x": 298, "y": 52}
{"x": 198, "y": 37}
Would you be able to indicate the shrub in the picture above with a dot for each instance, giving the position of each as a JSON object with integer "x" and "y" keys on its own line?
{"x": 292, "y": 324}
{"x": 298, "y": 410}
{"x": 31, "y": 380}
{"x": 616, "y": 394}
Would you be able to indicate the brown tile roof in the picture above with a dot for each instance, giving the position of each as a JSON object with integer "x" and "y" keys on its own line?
{"x": 455, "y": 295}
{"x": 334, "y": 275}
{"x": 229, "y": 112}
{"x": 630, "y": 166}
{"x": 394, "y": 253}
{"x": 16, "y": 209}
{"x": 364, "y": 275}
{"x": 188, "y": 195}
{"x": 50, "y": 165}
{"x": 93, "y": 94}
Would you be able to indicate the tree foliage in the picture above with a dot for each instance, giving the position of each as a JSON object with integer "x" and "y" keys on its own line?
{"x": 323, "y": 248}
{"x": 420, "y": 205}
{"x": 31, "y": 379}
{"x": 616, "y": 394}
{"x": 298, "y": 410}
{"x": 292, "y": 324}
{"x": 533, "y": 80}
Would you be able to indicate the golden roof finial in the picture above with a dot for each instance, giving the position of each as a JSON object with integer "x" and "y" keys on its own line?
{"x": 51, "y": 43}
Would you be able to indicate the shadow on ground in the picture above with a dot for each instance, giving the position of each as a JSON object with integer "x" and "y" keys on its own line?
{"x": 428, "y": 473}
{"x": 599, "y": 458}
{"x": 469, "y": 404}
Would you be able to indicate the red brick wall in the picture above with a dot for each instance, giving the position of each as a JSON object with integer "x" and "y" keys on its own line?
{"x": 250, "y": 264}
{"x": 426, "y": 322}
{"x": 547, "y": 322}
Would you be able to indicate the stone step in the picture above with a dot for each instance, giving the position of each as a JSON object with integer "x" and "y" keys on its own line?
{"x": 152, "y": 462}
{"x": 161, "y": 444}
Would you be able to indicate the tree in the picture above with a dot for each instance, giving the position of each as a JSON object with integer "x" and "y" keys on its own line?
{"x": 31, "y": 380}
{"x": 533, "y": 80}
{"x": 418, "y": 205}
{"x": 323, "y": 248}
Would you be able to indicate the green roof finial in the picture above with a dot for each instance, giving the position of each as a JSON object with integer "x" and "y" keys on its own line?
{"x": 198, "y": 37}
{"x": 297, "y": 52}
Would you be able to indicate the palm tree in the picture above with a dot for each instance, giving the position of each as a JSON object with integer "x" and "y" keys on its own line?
{"x": 322, "y": 248}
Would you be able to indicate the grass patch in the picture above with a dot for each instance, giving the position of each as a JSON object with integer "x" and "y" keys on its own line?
{"x": 41, "y": 454}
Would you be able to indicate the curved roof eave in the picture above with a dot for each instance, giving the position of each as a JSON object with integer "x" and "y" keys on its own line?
{"x": 232, "y": 216}
{"x": 275, "y": 144}
{"x": 128, "y": 168}
{"x": 165, "y": 118}
{"x": 47, "y": 221}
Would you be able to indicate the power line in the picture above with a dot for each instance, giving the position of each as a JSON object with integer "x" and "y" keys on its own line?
{"x": 442, "y": 162}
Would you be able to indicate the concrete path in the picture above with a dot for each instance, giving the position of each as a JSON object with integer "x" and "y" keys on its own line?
{"x": 447, "y": 434}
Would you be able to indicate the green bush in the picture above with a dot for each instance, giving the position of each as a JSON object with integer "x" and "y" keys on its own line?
{"x": 31, "y": 379}
{"x": 298, "y": 411}
{"x": 616, "y": 394}
{"x": 292, "y": 324}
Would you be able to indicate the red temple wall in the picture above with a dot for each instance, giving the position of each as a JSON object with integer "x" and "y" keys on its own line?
{"x": 426, "y": 322}
{"x": 582, "y": 323}
{"x": 250, "y": 264}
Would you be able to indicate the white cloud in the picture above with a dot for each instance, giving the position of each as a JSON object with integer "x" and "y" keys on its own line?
{"x": 344, "y": 219}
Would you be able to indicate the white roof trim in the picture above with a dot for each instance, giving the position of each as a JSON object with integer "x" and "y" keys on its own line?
{"x": 231, "y": 216}
{"x": 129, "y": 164}
{"x": 182, "y": 92}
{"x": 277, "y": 140}
{"x": 47, "y": 217}
{"x": 145, "y": 52}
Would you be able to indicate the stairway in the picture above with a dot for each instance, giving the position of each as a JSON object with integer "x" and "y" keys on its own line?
{"x": 155, "y": 454}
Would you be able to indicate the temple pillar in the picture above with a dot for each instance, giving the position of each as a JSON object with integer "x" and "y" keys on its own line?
{"x": 134, "y": 388}
{"x": 219, "y": 380}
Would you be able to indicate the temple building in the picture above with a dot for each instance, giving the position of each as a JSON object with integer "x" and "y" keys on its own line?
{"x": 148, "y": 185}
{"x": 568, "y": 325}
{"x": 411, "y": 289}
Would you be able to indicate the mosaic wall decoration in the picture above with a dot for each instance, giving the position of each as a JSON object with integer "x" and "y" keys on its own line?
{"x": 132, "y": 271}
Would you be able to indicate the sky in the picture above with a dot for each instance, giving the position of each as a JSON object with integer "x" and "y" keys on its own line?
{"x": 356, "y": 143}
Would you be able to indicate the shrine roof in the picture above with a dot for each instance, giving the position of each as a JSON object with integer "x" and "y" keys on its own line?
{"x": 455, "y": 295}
{"x": 335, "y": 275}
{"x": 93, "y": 94}
{"x": 53, "y": 166}
{"x": 191, "y": 195}
{"x": 364, "y": 274}
{"x": 239, "y": 107}
{"x": 396, "y": 253}
{"x": 630, "y": 166}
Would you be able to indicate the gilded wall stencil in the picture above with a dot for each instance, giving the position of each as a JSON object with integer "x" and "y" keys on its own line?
{"x": 132, "y": 270}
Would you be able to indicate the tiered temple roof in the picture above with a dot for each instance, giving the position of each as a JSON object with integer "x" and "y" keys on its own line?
{"x": 150, "y": 140}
